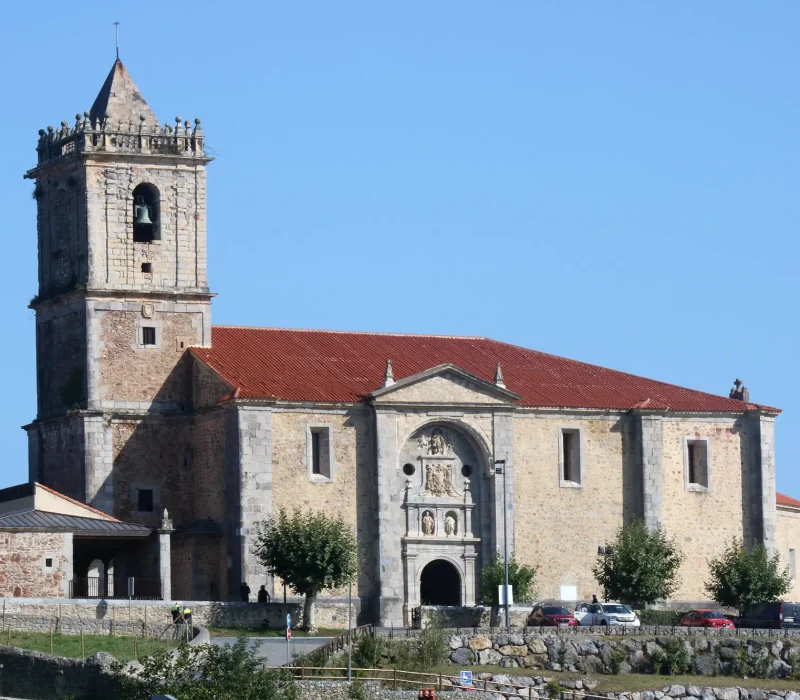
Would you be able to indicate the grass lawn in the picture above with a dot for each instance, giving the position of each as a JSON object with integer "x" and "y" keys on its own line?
{"x": 122, "y": 648}
{"x": 630, "y": 681}
{"x": 261, "y": 632}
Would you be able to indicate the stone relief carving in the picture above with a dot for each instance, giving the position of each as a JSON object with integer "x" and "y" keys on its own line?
{"x": 148, "y": 310}
{"x": 428, "y": 524}
{"x": 439, "y": 480}
{"x": 434, "y": 443}
{"x": 450, "y": 524}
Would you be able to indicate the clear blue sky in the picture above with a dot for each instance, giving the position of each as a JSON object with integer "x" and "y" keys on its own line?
{"x": 615, "y": 182}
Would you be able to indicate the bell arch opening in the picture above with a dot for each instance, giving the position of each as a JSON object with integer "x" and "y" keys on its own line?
{"x": 440, "y": 584}
{"x": 146, "y": 210}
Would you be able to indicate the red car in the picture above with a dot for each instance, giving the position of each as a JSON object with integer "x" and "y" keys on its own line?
{"x": 705, "y": 618}
{"x": 551, "y": 616}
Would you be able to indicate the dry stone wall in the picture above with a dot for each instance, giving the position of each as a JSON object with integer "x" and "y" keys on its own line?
{"x": 703, "y": 655}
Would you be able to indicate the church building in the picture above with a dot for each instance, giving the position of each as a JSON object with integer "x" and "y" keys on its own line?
{"x": 425, "y": 444}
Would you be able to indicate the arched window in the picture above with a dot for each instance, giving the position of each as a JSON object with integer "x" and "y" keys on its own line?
{"x": 146, "y": 213}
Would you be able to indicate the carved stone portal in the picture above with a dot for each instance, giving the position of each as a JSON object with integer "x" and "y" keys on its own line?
{"x": 439, "y": 480}
{"x": 435, "y": 443}
{"x": 428, "y": 524}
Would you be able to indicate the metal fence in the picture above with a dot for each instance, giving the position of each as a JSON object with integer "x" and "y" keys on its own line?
{"x": 115, "y": 587}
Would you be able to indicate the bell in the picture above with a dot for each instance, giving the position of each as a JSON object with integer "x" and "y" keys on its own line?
{"x": 143, "y": 215}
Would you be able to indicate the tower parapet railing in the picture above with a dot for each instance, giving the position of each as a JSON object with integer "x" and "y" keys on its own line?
{"x": 107, "y": 135}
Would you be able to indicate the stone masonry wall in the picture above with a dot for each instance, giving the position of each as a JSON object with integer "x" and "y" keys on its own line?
{"x": 788, "y": 537}
{"x": 714, "y": 654}
{"x": 584, "y": 517}
{"x": 23, "y": 564}
{"x": 349, "y": 490}
{"x": 179, "y": 258}
{"x": 683, "y": 509}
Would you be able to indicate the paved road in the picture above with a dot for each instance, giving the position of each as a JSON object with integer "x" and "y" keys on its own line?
{"x": 273, "y": 649}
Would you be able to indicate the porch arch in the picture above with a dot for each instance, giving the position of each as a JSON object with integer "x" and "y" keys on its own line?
{"x": 440, "y": 583}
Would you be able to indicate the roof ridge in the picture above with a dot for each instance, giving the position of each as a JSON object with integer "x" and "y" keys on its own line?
{"x": 323, "y": 330}
{"x": 745, "y": 405}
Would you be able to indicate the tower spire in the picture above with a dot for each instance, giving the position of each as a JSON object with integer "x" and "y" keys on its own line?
{"x": 116, "y": 37}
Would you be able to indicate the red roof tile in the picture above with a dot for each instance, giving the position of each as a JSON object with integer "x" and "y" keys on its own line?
{"x": 783, "y": 500}
{"x": 344, "y": 367}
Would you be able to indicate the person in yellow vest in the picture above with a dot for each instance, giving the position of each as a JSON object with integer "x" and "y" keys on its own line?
{"x": 187, "y": 616}
{"x": 176, "y": 612}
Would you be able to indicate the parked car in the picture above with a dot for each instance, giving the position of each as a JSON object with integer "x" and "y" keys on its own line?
{"x": 606, "y": 614}
{"x": 774, "y": 615}
{"x": 551, "y": 616}
{"x": 705, "y": 618}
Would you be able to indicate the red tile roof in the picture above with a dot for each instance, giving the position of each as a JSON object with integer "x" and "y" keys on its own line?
{"x": 344, "y": 367}
{"x": 783, "y": 500}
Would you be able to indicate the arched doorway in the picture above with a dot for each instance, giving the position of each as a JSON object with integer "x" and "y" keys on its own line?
{"x": 440, "y": 584}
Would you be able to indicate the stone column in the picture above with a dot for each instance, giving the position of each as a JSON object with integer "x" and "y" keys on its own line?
{"x": 390, "y": 562}
{"x": 164, "y": 556}
{"x": 649, "y": 434}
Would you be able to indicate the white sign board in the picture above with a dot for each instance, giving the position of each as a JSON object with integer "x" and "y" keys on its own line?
{"x": 501, "y": 593}
{"x": 466, "y": 678}
{"x": 569, "y": 593}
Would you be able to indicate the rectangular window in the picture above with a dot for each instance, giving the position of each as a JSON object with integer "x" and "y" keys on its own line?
{"x": 320, "y": 453}
{"x": 792, "y": 564}
{"x": 697, "y": 462}
{"x": 49, "y": 562}
{"x": 570, "y": 454}
{"x": 148, "y": 335}
{"x": 144, "y": 500}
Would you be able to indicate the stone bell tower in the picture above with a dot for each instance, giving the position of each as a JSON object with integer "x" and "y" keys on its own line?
{"x": 123, "y": 291}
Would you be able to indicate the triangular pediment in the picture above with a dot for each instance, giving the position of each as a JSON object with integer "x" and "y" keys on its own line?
{"x": 444, "y": 384}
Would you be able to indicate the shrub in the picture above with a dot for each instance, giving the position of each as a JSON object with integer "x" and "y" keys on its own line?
{"x": 676, "y": 658}
{"x": 741, "y": 576}
{"x": 616, "y": 658}
{"x": 656, "y": 659}
{"x": 561, "y": 654}
{"x": 553, "y": 689}
{"x": 430, "y": 645}
{"x": 521, "y": 578}
{"x": 205, "y": 672}
{"x": 357, "y": 691}
{"x": 642, "y": 566}
{"x": 368, "y": 651}
{"x": 663, "y": 618}
{"x": 752, "y": 662}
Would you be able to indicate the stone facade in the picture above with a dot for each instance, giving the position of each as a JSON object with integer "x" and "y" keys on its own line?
{"x": 35, "y": 564}
{"x": 437, "y": 472}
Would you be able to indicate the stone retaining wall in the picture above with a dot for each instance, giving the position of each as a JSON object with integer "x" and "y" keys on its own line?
{"x": 534, "y": 687}
{"x": 705, "y": 656}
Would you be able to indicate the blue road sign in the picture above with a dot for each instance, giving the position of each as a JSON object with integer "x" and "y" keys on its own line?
{"x": 288, "y": 620}
{"x": 466, "y": 678}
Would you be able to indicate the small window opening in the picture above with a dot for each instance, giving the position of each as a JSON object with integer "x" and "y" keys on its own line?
{"x": 466, "y": 471}
{"x": 49, "y": 562}
{"x": 144, "y": 500}
{"x": 697, "y": 458}
{"x": 148, "y": 335}
{"x": 147, "y": 268}
{"x": 320, "y": 452}
{"x": 570, "y": 456}
{"x": 409, "y": 469}
{"x": 145, "y": 214}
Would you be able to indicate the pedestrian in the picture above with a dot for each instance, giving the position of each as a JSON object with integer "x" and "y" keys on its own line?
{"x": 594, "y": 600}
{"x": 187, "y": 618}
{"x": 263, "y": 596}
{"x": 176, "y": 613}
{"x": 244, "y": 592}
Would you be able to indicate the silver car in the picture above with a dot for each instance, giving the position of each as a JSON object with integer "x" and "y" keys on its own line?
{"x": 606, "y": 614}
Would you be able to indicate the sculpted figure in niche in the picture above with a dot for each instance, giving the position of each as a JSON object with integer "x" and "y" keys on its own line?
{"x": 438, "y": 445}
{"x": 449, "y": 525}
{"x": 427, "y": 523}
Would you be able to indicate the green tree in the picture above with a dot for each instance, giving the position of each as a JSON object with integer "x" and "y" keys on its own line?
{"x": 309, "y": 552}
{"x": 741, "y": 576}
{"x": 641, "y": 565}
{"x": 204, "y": 672}
{"x": 521, "y": 577}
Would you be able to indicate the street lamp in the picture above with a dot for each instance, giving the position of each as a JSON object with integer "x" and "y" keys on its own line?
{"x": 500, "y": 468}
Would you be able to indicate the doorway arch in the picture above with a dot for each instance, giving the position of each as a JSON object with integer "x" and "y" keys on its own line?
{"x": 440, "y": 584}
